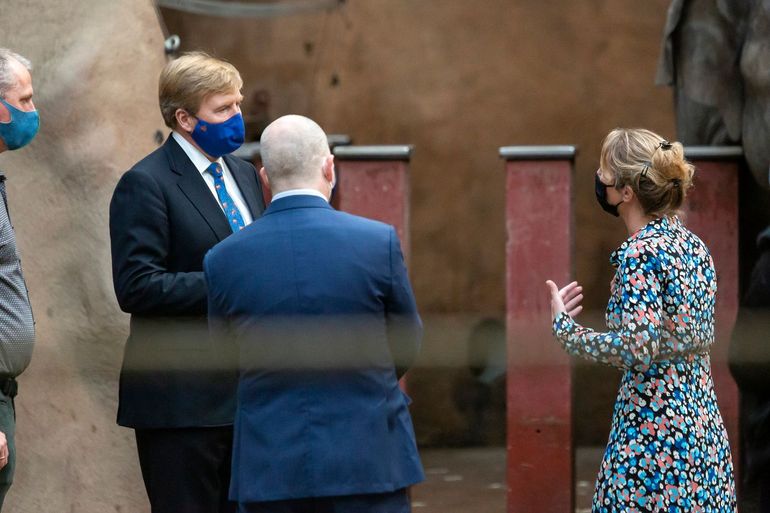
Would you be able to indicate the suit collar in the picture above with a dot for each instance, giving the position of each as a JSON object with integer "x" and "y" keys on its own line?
{"x": 194, "y": 187}
{"x": 299, "y": 201}
{"x": 196, "y": 156}
{"x": 178, "y": 160}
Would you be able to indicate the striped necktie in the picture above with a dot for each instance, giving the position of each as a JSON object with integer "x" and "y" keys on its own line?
{"x": 228, "y": 205}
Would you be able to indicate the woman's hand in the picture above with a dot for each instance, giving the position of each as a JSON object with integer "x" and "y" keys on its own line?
{"x": 565, "y": 300}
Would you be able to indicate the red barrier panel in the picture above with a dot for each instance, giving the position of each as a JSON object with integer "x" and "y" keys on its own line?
{"x": 711, "y": 212}
{"x": 373, "y": 182}
{"x": 540, "y": 233}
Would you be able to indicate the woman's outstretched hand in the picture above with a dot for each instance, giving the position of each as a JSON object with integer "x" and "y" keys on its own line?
{"x": 565, "y": 300}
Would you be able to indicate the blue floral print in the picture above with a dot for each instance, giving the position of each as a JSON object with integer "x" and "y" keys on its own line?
{"x": 668, "y": 448}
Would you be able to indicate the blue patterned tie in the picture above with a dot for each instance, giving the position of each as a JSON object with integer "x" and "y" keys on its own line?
{"x": 228, "y": 205}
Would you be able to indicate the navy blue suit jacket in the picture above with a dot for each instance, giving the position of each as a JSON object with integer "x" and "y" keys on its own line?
{"x": 322, "y": 312}
{"x": 163, "y": 221}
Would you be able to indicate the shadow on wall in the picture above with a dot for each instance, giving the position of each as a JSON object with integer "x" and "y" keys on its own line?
{"x": 458, "y": 385}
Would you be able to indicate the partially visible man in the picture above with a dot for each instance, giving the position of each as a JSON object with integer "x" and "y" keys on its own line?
{"x": 18, "y": 126}
{"x": 320, "y": 306}
{"x": 176, "y": 390}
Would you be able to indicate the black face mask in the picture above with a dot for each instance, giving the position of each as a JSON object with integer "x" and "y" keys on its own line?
{"x": 601, "y": 196}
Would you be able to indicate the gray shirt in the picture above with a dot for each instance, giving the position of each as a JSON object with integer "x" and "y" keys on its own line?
{"x": 17, "y": 326}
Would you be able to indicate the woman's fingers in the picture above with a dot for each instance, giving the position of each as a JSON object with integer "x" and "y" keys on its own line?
{"x": 557, "y": 305}
{"x": 552, "y": 287}
{"x": 571, "y": 294}
{"x": 575, "y": 311}
{"x": 574, "y": 302}
{"x": 567, "y": 288}
{"x": 567, "y": 299}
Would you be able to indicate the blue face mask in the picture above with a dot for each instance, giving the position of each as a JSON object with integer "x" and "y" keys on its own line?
{"x": 218, "y": 139}
{"x": 21, "y": 129}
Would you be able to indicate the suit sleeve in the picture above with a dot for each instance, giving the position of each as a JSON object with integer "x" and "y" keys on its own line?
{"x": 139, "y": 236}
{"x": 403, "y": 321}
{"x": 219, "y": 327}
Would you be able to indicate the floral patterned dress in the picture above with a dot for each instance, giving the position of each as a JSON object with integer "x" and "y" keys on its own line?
{"x": 668, "y": 448}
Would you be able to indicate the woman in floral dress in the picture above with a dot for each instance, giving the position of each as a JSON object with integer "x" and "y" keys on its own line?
{"x": 668, "y": 449}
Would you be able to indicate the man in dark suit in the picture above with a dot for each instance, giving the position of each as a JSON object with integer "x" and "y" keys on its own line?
{"x": 320, "y": 307}
{"x": 177, "y": 390}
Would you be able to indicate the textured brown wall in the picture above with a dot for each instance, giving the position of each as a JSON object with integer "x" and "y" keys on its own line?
{"x": 455, "y": 78}
{"x": 95, "y": 80}
{"x": 459, "y": 79}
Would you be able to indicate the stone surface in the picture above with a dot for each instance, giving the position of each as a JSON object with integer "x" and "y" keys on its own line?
{"x": 473, "y": 480}
{"x": 95, "y": 80}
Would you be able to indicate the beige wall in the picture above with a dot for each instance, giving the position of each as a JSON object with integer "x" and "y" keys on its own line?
{"x": 95, "y": 80}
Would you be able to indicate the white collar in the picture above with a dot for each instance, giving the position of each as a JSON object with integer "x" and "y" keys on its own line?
{"x": 196, "y": 156}
{"x": 299, "y": 192}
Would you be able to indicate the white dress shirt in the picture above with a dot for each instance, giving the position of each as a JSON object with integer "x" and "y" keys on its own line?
{"x": 299, "y": 192}
{"x": 202, "y": 163}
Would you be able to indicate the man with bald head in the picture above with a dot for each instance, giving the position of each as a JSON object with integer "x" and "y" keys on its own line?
{"x": 319, "y": 305}
{"x": 18, "y": 126}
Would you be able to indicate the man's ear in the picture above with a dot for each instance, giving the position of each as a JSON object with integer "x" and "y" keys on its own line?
{"x": 328, "y": 168}
{"x": 264, "y": 178}
{"x": 185, "y": 120}
{"x": 5, "y": 114}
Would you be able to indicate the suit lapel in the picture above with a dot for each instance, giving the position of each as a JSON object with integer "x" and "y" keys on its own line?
{"x": 194, "y": 187}
{"x": 246, "y": 179}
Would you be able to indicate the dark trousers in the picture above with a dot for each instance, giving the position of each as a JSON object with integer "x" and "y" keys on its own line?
{"x": 186, "y": 470}
{"x": 7, "y": 426}
{"x": 393, "y": 502}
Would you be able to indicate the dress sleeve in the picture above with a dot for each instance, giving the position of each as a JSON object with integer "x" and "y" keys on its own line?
{"x": 637, "y": 303}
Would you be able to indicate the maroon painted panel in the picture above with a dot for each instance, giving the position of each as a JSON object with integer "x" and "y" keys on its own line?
{"x": 539, "y": 247}
{"x": 377, "y": 190}
{"x": 711, "y": 212}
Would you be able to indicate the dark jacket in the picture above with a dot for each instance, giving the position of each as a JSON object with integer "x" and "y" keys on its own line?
{"x": 163, "y": 220}
{"x": 321, "y": 307}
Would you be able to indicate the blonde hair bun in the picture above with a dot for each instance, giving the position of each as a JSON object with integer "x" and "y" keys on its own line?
{"x": 654, "y": 168}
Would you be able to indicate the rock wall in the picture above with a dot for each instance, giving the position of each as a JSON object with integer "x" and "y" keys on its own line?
{"x": 95, "y": 79}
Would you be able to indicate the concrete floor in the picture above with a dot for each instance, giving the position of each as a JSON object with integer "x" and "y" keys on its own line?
{"x": 473, "y": 480}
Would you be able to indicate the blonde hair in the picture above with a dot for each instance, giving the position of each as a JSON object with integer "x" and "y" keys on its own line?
{"x": 186, "y": 81}
{"x": 655, "y": 169}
